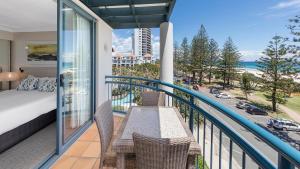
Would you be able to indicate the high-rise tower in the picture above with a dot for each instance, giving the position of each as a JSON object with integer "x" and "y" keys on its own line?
{"x": 141, "y": 44}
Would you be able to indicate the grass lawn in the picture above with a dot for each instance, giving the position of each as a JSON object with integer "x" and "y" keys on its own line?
{"x": 280, "y": 115}
{"x": 292, "y": 103}
{"x": 265, "y": 105}
{"x": 260, "y": 94}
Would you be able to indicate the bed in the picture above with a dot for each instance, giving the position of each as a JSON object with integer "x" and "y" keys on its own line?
{"x": 22, "y": 113}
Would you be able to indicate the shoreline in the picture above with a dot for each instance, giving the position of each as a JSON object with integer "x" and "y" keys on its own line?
{"x": 258, "y": 73}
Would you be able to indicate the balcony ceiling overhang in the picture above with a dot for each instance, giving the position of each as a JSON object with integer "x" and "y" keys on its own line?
{"x": 124, "y": 14}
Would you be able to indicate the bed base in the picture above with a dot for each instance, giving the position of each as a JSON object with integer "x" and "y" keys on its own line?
{"x": 13, "y": 137}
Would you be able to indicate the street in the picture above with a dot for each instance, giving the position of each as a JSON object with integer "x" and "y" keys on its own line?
{"x": 290, "y": 137}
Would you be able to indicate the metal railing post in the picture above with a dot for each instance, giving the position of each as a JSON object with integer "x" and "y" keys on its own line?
{"x": 130, "y": 91}
{"x": 283, "y": 163}
{"x": 191, "y": 119}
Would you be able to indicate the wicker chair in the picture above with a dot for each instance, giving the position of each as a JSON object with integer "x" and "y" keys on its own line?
{"x": 105, "y": 123}
{"x": 151, "y": 98}
{"x": 160, "y": 153}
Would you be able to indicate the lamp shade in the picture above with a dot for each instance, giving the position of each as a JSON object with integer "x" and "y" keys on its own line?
{"x": 10, "y": 76}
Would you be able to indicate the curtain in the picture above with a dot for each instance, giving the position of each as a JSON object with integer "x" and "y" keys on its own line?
{"x": 81, "y": 85}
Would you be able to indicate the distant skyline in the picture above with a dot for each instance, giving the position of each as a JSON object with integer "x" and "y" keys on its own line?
{"x": 251, "y": 24}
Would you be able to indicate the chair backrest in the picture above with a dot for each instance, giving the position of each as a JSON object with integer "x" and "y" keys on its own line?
{"x": 105, "y": 123}
{"x": 152, "y": 98}
{"x": 160, "y": 153}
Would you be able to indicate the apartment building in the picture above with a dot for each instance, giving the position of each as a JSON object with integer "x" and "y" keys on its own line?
{"x": 123, "y": 59}
{"x": 142, "y": 45}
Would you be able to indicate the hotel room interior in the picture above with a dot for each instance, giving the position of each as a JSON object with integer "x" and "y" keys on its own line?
{"x": 28, "y": 64}
{"x": 28, "y": 41}
{"x": 40, "y": 116}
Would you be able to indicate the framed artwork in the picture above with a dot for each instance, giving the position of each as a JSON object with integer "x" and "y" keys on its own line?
{"x": 41, "y": 52}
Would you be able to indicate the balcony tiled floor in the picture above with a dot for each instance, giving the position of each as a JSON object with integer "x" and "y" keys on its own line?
{"x": 85, "y": 152}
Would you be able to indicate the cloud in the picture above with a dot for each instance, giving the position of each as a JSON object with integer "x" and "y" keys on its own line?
{"x": 281, "y": 14}
{"x": 121, "y": 44}
{"x": 251, "y": 55}
{"x": 287, "y": 4}
{"x": 156, "y": 50}
{"x": 282, "y": 9}
{"x": 124, "y": 44}
{"x": 155, "y": 46}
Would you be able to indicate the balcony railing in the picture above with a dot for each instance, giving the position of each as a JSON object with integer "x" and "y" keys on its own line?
{"x": 228, "y": 140}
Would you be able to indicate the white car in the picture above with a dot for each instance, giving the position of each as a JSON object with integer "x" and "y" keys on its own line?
{"x": 223, "y": 96}
{"x": 282, "y": 124}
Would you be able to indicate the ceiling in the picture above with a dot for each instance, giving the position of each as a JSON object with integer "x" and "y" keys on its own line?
{"x": 132, "y": 13}
{"x": 28, "y": 15}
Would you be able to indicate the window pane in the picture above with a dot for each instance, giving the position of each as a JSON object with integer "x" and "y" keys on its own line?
{"x": 75, "y": 71}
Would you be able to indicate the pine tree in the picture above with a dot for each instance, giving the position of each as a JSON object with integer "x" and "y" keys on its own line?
{"x": 276, "y": 65}
{"x": 177, "y": 59}
{"x": 295, "y": 28}
{"x": 247, "y": 83}
{"x": 229, "y": 61}
{"x": 199, "y": 53}
{"x": 213, "y": 58}
{"x": 185, "y": 52}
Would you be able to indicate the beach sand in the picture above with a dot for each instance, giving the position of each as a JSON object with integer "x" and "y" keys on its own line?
{"x": 258, "y": 73}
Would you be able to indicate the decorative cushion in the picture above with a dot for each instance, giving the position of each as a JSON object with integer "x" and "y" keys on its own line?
{"x": 34, "y": 83}
{"x": 52, "y": 86}
{"x": 47, "y": 85}
{"x": 30, "y": 83}
{"x": 42, "y": 82}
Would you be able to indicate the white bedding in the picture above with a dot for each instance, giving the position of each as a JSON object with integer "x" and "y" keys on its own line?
{"x": 19, "y": 107}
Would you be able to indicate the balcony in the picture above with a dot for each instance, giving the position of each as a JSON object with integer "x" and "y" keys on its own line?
{"x": 227, "y": 139}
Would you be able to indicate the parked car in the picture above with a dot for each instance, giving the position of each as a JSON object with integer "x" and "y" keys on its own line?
{"x": 242, "y": 105}
{"x": 255, "y": 110}
{"x": 216, "y": 92}
{"x": 223, "y": 96}
{"x": 282, "y": 124}
{"x": 270, "y": 123}
{"x": 212, "y": 90}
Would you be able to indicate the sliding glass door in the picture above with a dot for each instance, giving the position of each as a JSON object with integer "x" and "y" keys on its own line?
{"x": 75, "y": 96}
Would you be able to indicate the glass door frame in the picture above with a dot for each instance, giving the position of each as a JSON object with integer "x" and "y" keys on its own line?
{"x": 61, "y": 146}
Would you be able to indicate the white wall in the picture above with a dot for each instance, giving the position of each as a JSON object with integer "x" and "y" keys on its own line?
{"x": 104, "y": 60}
{"x": 4, "y": 54}
{"x": 19, "y": 54}
{"x": 103, "y": 55}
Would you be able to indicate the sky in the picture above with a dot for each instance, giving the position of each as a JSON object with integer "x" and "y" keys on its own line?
{"x": 250, "y": 23}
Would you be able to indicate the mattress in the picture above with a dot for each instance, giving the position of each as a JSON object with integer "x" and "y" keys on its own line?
{"x": 20, "y": 107}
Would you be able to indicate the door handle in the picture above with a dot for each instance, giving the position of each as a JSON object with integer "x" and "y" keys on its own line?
{"x": 61, "y": 80}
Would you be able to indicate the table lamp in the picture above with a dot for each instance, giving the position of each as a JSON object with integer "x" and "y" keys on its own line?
{"x": 10, "y": 77}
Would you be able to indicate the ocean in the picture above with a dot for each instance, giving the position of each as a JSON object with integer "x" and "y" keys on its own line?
{"x": 249, "y": 65}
